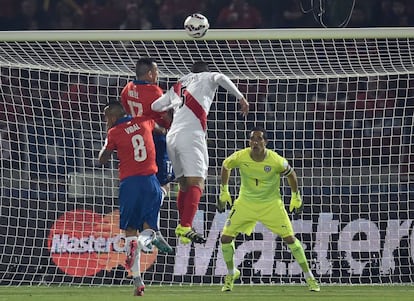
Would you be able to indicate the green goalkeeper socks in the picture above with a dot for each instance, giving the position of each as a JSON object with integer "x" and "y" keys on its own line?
{"x": 228, "y": 256}
{"x": 299, "y": 254}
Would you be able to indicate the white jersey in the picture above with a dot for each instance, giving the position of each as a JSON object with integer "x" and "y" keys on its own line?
{"x": 191, "y": 98}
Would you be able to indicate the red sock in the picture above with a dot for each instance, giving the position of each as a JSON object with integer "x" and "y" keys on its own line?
{"x": 180, "y": 202}
{"x": 190, "y": 205}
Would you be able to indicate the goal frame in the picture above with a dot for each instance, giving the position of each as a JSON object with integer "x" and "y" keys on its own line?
{"x": 212, "y": 34}
{"x": 403, "y": 33}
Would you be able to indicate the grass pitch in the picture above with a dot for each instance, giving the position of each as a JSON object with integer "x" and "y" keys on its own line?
{"x": 209, "y": 293}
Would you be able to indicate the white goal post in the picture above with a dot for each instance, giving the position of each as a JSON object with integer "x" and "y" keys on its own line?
{"x": 337, "y": 103}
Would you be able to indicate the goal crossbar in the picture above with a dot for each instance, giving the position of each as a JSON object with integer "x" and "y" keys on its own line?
{"x": 213, "y": 34}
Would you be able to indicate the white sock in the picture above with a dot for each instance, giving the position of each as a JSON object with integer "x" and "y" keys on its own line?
{"x": 128, "y": 243}
{"x": 308, "y": 274}
{"x": 136, "y": 266}
{"x": 138, "y": 281}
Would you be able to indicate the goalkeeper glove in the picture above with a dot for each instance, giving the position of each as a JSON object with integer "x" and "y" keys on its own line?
{"x": 296, "y": 204}
{"x": 224, "y": 198}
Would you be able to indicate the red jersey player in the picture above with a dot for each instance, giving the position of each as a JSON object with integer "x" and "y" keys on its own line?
{"x": 139, "y": 189}
{"x": 137, "y": 97}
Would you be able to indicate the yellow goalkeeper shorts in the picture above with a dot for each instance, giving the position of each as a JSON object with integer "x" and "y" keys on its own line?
{"x": 244, "y": 215}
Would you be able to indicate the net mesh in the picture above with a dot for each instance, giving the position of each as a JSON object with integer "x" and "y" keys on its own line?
{"x": 340, "y": 110}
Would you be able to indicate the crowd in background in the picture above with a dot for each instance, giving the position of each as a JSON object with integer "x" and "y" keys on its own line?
{"x": 61, "y": 99}
{"x": 170, "y": 14}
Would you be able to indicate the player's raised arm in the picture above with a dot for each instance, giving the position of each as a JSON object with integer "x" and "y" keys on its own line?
{"x": 168, "y": 101}
{"x": 225, "y": 82}
{"x": 244, "y": 106}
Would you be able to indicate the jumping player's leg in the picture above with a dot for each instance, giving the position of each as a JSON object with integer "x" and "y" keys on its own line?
{"x": 193, "y": 189}
{"x": 180, "y": 201}
{"x": 188, "y": 199}
{"x": 189, "y": 158}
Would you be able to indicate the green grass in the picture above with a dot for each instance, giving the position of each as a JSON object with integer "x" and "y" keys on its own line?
{"x": 209, "y": 293}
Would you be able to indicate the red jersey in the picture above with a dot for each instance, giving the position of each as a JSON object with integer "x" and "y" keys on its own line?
{"x": 137, "y": 97}
{"x": 132, "y": 139}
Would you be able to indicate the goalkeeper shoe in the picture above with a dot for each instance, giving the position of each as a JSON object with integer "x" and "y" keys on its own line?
{"x": 188, "y": 234}
{"x": 162, "y": 244}
{"x": 129, "y": 261}
{"x": 229, "y": 281}
{"x": 313, "y": 284}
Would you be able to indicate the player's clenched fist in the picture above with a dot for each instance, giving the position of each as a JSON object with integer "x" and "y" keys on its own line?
{"x": 224, "y": 198}
{"x": 296, "y": 203}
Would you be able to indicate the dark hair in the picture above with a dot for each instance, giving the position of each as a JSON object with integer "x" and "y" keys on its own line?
{"x": 115, "y": 108}
{"x": 259, "y": 129}
{"x": 200, "y": 66}
{"x": 144, "y": 65}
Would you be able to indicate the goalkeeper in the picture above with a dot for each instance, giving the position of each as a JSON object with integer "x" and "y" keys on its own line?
{"x": 259, "y": 201}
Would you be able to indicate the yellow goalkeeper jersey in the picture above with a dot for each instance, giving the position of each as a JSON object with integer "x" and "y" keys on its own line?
{"x": 260, "y": 181}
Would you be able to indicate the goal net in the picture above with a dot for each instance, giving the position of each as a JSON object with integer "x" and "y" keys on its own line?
{"x": 338, "y": 104}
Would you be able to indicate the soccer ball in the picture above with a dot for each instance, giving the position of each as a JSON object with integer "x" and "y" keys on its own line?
{"x": 196, "y": 25}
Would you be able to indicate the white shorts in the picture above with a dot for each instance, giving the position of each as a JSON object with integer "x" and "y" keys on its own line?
{"x": 188, "y": 154}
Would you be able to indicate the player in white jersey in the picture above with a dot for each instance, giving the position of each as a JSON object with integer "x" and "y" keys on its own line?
{"x": 190, "y": 99}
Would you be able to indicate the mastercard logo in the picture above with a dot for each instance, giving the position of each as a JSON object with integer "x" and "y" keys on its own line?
{"x": 83, "y": 243}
